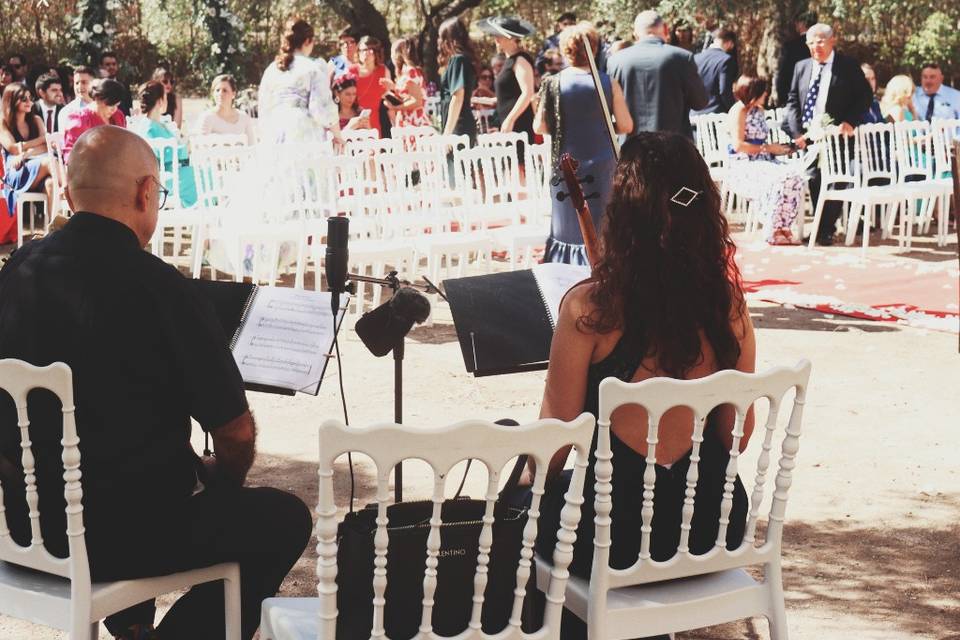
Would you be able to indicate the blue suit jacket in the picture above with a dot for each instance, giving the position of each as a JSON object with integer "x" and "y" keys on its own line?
{"x": 717, "y": 69}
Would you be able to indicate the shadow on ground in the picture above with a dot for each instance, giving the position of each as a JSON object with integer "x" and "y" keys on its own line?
{"x": 780, "y": 317}
{"x": 905, "y": 577}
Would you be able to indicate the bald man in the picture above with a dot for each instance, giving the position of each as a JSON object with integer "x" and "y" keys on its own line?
{"x": 147, "y": 356}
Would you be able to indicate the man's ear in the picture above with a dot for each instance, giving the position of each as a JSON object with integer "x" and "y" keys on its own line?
{"x": 142, "y": 198}
{"x": 66, "y": 194}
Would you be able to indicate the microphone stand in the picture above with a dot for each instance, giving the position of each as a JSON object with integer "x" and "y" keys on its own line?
{"x": 394, "y": 283}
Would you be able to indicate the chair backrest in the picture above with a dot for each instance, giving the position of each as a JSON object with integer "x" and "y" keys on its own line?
{"x": 168, "y": 163}
{"x": 945, "y": 131}
{"x": 877, "y": 161}
{"x": 352, "y": 135}
{"x": 19, "y": 378}
{"x": 539, "y": 170}
{"x": 659, "y": 395}
{"x": 217, "y": 172}
{"x": 410, "y": 136}
{"x": 712, "y": 137}
{"x": 58, "y": 171}
{"x": 500, "y": 139}
{"x": 914, "y": 146}
{"x": 838, "y": 159}
{"x": 207, "y": 140}
{"x": 488, "y": 180}
{"x": 492, "y": 446}
{"x": 482, "y": 117}
{"x": 409, "y": 183}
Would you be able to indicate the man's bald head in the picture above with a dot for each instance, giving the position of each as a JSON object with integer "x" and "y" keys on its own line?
{"x": 113, "y": 173}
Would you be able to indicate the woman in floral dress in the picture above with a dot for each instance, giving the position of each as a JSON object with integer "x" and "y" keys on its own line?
{"x": 410, "y": 87}
{"x": 753, "y": 171}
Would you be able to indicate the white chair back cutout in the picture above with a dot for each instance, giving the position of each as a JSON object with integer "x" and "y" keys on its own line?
{"x": 701, "y": 396}
{"x": 489, "y": 444}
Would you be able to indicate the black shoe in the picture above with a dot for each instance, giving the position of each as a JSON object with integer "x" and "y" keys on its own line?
{"x": 825, "y": 241}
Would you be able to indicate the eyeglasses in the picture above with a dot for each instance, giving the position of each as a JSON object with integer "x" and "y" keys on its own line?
{"x": 486, "y": 76}
{"x": 162, "y": 191}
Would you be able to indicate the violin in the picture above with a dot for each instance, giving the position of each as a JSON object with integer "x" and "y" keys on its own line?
{"x": 569, "y": 166}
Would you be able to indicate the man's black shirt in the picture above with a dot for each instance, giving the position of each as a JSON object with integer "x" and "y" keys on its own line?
{"x": 146, "y": 351}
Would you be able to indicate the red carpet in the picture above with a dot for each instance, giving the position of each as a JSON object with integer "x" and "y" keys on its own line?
{"x": 887, "y": 288}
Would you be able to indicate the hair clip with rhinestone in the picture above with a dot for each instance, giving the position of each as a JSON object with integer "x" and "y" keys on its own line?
{"x": 684, "y": 196}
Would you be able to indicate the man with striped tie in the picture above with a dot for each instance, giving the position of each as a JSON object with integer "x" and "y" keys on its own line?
{"x": 832, "y": 84}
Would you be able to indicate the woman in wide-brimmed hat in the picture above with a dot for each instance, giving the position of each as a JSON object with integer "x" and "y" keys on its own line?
{"x": 514, "y": 83}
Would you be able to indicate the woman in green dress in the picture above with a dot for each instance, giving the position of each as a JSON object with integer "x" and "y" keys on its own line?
{"x": 153, "y": 104}
{"x": 459, "y": 79}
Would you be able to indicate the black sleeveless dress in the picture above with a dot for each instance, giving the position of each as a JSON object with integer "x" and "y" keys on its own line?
{"x": 669, "y": 492}
{"x": 508, "y": 92}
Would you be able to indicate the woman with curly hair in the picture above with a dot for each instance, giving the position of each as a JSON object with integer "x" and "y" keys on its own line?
{"x": 665, "y": 300}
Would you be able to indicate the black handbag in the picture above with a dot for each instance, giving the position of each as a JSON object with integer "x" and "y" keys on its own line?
{"x": 408, "y": 528}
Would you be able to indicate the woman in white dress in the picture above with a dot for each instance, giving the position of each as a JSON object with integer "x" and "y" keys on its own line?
{"x": 295, "y": 100}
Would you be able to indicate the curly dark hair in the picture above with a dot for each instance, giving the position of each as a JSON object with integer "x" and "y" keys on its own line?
{"x": 667, "y": 271}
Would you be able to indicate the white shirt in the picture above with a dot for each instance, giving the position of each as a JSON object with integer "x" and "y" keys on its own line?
{"x": 826, "y": 73}
{"x": 74, "y": 105}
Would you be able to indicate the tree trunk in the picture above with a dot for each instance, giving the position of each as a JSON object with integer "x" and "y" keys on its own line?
{"x": 780, "y": 28}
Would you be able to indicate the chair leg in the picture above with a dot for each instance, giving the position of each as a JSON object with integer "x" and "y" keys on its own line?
{"x": 777, "y": 616}
{"x": 231, "y": 608}
{"x": 818, "y": 213}
{"x": 84, "y": 631}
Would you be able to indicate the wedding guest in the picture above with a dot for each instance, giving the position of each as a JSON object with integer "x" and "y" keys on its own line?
{"x": 619, "y": 45}
{"x": 550, "y": 62}
{"x": 18, "y": 62}
{"x": 24, "y": 145}
{"x": 497, "y": 61}
{"x": 224, "y": 118}
{"x": 826, "y": 85}
{"x": 656, "y": 307}
{"x": 105, "y": 98}
{"x": 459, "y": 78}
{"x": 933, "y": 99}
{"x": 83, "y": 79}
{"x": 50, "y": 101}
{"x": 369, "y": 73}
{"x": 6, "y": 75}
{"x": 348, "y": 56}
{"x": 897, "y": 104}
{"x": 514, "y": 85}
{"x": 775, "y": 188}
{"x": 792, "y": 52}
{"x": 410, "y": 87}
{"x": 570, "y": 112}
{"x": 153, "y": 104}
{"x": 564, "y": 20}
{"x": 660, "y": 81}
{"x": 484, "y": 96}
{"x": 295, "y": 100}
{"x": 110, "y": 68}
{"x": 345, "y": 95}
{"x": 65, "y": 73}
{"x": 874, "y": 114}
{"x": 716, "y": 68}
{"x": 174, "y": 108}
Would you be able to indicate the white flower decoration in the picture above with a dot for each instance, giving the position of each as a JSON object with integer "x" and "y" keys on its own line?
{"x": 231, "y": 49}
{"x": 215, "y": 48}
{"x": 83, "y": 36}
{"x": 212, "y": 12}
{"x": 97, "y": 28}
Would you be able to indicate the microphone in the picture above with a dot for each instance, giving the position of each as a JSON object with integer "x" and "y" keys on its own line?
{"x": 335, "y": 262}
{"x": 384, "y": 327}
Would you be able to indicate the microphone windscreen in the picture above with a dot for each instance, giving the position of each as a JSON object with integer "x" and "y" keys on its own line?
{"x": 381, "y": 329}
{"x": 410, "y": 305}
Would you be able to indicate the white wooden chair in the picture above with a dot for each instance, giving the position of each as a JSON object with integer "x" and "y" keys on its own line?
{"x": 168, "y": 162}
{"x": 410, "y": 136}
{"x": 915, "y": 159}
{"x": 691, "y": 591}
{"x": 32, "y": 199}
{"x": 57, "y": 592}
{"x": 208, "y": 140}
{"x": 58, "y": 173}
{"x": 489, "y": 444}
{"x": 944, "y": 133}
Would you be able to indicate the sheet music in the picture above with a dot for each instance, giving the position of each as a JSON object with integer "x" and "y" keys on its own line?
{"x": 286, "y": 338}
{"x": 554, "y": 279}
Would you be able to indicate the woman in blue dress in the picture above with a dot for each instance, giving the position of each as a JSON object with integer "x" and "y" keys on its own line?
{"x": 24, "y": 143}
{"x": 153, "y": 104}
{"x": 570, "y": 112}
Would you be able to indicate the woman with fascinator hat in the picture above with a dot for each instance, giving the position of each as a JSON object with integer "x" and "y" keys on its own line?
{"x": 514, "y": 83}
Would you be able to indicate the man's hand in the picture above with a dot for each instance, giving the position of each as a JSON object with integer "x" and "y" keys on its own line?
{"x": 846, "y": 129}
{"x": 801, "y": 142}
{"x": 235, "y": 447}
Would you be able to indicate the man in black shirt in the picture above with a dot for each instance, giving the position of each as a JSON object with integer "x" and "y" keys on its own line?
{"x": 147, "y": 354}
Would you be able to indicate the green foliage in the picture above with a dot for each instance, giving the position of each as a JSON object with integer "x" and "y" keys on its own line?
{"x": 938, "y": 41}
{"x": 226, "y": 50}
{"x": 93, "y": 28}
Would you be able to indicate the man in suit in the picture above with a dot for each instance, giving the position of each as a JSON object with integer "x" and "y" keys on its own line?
{"x": 50, "y": 93}
{"x": 832, "y": 84}
{"x": 660, "y": 82}
{"x": 792, "y": 52}
{"x": 717, "y": 68}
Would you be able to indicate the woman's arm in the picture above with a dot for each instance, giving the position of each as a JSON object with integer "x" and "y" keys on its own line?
{"x": 738, "y": 131}
{"x": 570, "y": 355}
{"x": 453, "y": 112}
{"x": 524, "y": 73}
{"x": 621, "y": 111}
{"x": 414, "y": 97}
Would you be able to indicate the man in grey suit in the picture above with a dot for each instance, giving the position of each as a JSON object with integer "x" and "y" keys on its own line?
{"x": 660, "y": 82}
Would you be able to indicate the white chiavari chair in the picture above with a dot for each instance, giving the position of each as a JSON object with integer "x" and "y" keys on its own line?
{"x": 411, "y": 136}
{"x": 693, "y": 588}
{"x": 914, "y": 147}
{"x": 206, "y": 140}
{"x": 493, "y": 447}
{"x": 58, "y": 173}
{"x": 58, "y": 592}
